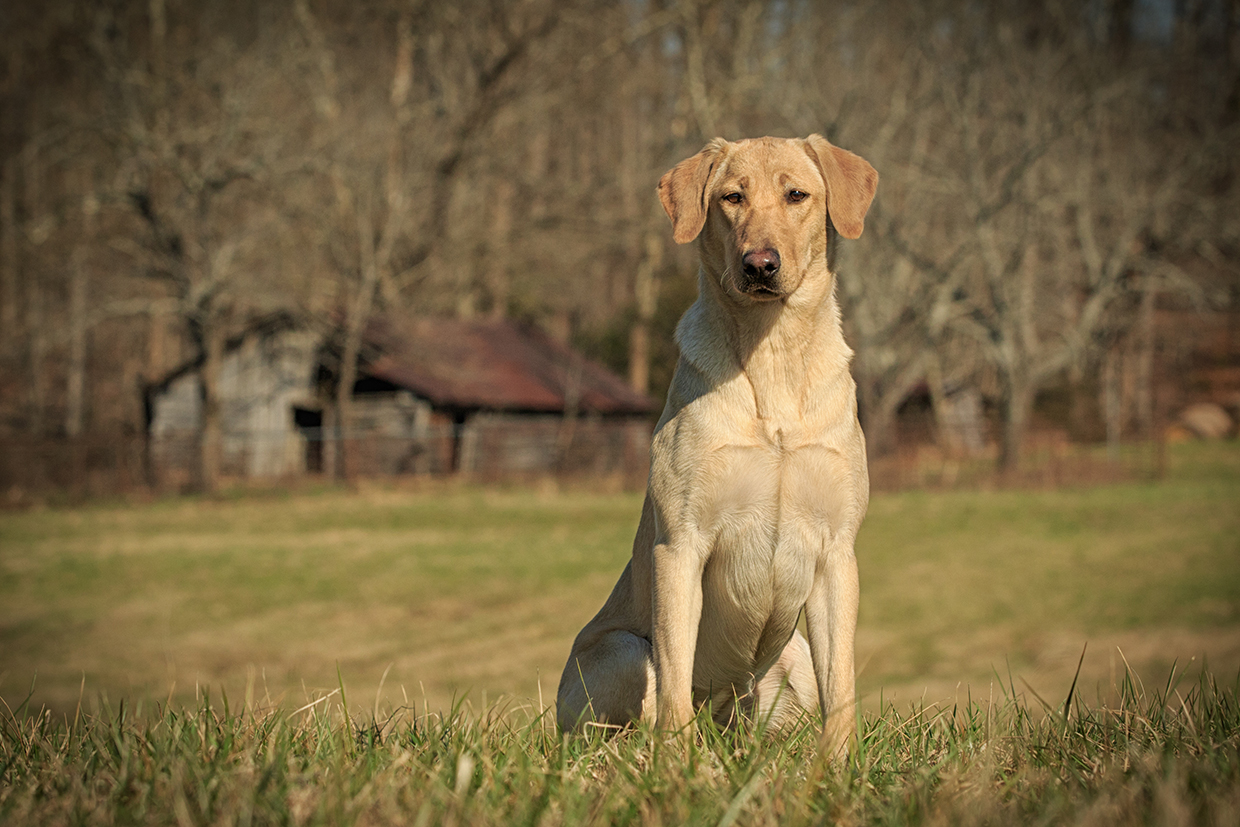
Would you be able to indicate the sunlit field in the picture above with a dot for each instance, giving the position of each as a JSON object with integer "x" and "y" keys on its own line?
{"x": 429, "y": 596}
{"x": 390, "y": 656}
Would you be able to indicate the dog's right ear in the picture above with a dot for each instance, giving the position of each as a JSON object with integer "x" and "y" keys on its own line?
{"x": 682, "y": 190}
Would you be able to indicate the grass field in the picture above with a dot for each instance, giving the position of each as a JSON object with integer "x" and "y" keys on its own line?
{"x": 463, "y": 592}
{"x": 1167, "y": 757}
{"x": 154, "y": 655}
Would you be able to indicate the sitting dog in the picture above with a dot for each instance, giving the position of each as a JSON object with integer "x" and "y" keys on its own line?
{"x": 758, "y": 479}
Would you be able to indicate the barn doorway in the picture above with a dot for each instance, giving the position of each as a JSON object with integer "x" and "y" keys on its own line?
{"x": 310, "y": 423}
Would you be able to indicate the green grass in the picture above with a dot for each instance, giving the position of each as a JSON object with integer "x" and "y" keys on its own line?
{"x": 454, "y": 590}
{"x": 206, "y": 592}
{"x": 1028, "y": 577}
{"x": 1164, "y": 757}
{"x": 155, "y": 659}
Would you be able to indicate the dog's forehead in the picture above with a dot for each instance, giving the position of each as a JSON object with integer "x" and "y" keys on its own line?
{"x": 769, "y": 160}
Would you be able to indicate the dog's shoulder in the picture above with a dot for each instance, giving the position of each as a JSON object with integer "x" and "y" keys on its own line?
{"x": 703, "y": 345}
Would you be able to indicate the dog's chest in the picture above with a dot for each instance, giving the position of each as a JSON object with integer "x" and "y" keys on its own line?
{"x": 771, "y": 481}
{"x": 770, "y": 509}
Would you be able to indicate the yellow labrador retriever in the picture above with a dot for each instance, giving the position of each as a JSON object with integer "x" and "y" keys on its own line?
{"x": 758, "y": 479}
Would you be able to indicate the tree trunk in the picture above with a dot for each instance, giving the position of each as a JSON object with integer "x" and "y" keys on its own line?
{"x": 36, "y": 328}
{"x": 329, "y": 434}
{"x": 1016, "y": 406}
{"x": 1145, "y": 365}
{"x": 498, "y": 276}
{"x": 211, "y": 433}
{"x": 343, "y": 466}
{"x": 1112, "y": 399}
{"x": 75, "y": 391}
{"x": 8, "y": 249}
{"x": 36, "y": 322}
{"x": 355, "y": 330}
{"x": 75, "y": 383}
{"x": 646, "y": 296}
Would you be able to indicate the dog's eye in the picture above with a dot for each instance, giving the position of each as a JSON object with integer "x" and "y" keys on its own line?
{"x": 796, "y": 196}
{"x": 734, "y": 198}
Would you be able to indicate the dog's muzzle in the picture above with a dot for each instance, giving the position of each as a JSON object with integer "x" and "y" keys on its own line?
{"x": 761, "y": 273}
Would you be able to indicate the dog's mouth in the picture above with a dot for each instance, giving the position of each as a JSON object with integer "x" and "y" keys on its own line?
{"x": 762, "y": 292}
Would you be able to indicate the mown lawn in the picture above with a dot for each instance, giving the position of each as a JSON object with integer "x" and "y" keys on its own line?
{"x": 463, "y": 592}
{"x": 324, "y": 657}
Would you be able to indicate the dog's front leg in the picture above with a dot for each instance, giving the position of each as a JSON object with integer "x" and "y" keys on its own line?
{"x": 677, "y": 609}
{"x": 831, "y": 624}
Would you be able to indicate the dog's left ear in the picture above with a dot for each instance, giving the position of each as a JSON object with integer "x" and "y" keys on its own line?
{"x": 682, "y": 190}
{"x": 851, "y": 183}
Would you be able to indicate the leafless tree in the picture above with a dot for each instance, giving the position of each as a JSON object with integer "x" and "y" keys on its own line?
{"x": 1047, "y": 170}
{"x": 1064, "y": 189}
{"x": 395, "y": 156}
{"x": 200, "y": 119}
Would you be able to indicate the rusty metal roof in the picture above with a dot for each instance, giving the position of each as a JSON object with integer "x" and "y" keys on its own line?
{"x": 494, "y": 365}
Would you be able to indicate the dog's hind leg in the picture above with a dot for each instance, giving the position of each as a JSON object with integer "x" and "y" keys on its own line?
{"x": 609, "y": 681}
{"x": 788, "y": 691}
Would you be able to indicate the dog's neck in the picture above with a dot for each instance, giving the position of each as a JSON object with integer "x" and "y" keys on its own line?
{"x": 785, "y": 348}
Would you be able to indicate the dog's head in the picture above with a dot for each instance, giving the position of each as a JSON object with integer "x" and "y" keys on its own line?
{"x": 766, "y": 209}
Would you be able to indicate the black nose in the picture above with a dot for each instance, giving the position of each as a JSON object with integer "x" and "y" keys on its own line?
{"x": 760, "y": 264}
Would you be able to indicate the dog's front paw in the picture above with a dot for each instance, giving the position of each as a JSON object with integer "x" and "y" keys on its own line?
{"x": 839, "y": 736}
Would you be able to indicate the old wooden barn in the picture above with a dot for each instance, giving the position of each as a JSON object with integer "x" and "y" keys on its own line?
{"x": 432, "y": 396}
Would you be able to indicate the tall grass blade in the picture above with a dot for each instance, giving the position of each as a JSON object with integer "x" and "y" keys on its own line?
{"x": 1067, "y": 704}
